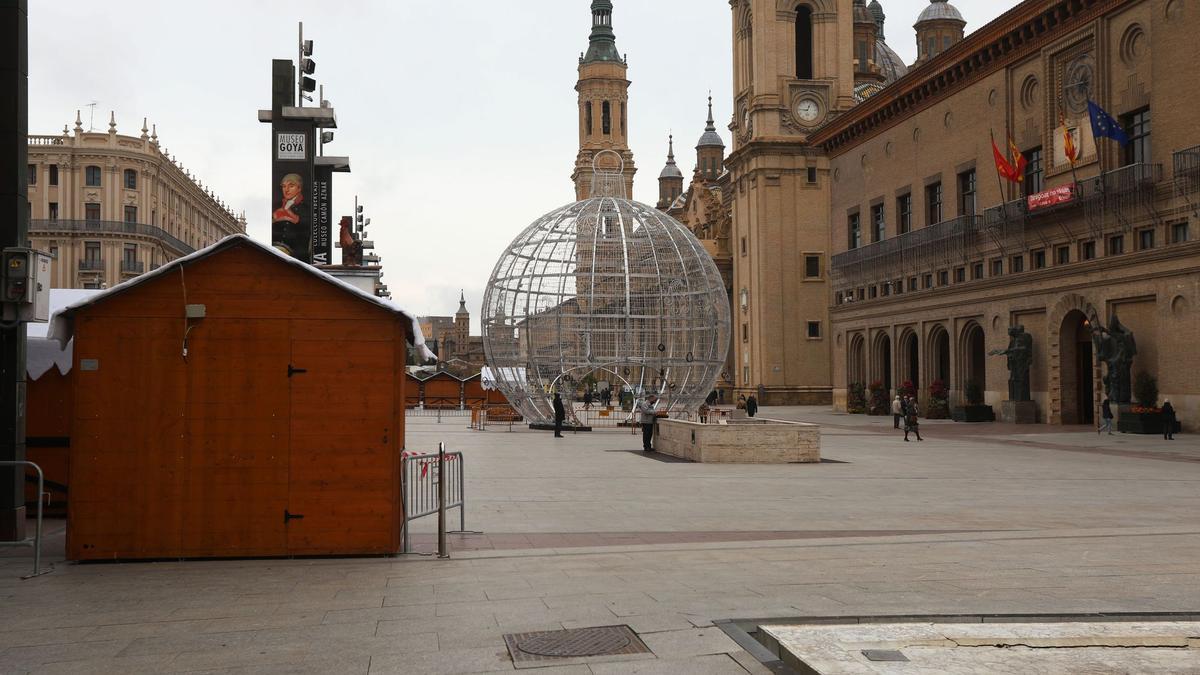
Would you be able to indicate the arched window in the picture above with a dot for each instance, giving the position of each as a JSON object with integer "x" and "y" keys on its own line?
{"x": 588, "y": 114}
{"x": 606, "y": 118}
{"x": 804, "y": 43}
{"x": 130, "y": 179}
{"x": 91, "y": 176}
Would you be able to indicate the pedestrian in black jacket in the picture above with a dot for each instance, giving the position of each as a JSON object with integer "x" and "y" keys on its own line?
{"x": 560, "y": 414}
{"x": 751, "y": 406}
{"x": 1168, "y": 419}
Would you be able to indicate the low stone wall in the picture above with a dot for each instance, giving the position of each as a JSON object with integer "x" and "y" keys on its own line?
{"x": 742, "y": 441}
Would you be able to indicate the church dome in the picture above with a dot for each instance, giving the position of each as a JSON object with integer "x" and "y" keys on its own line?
{"x": 671, "y": 171}
{"x": 890, "y": 64}
{"x": 861, "y": 13}
{"x": 710, "y": 139}
{"x": 940, "y": 10}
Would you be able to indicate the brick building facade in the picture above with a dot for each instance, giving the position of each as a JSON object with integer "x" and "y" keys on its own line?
{"x": 935, "y": 258}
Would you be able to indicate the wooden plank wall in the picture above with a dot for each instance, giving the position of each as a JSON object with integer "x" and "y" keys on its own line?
{"x": 201, "y": 457}
{"x": 49, "y": 401}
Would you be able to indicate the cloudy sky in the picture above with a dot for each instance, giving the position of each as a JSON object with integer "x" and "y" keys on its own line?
{"x": 459, "y": 115}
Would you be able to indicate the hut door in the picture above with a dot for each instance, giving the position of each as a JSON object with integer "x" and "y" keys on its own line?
{"x": 343, "y": 469}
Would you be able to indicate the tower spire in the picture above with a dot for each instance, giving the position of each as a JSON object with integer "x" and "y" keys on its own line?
{"x": 603, "y": 42}
{"x": 712, "y": 125}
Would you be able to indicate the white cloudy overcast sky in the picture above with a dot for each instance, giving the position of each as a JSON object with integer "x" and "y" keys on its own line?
{"x": 459, "y": 115}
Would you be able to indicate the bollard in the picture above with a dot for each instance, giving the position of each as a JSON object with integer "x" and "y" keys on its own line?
{"x": 441, "y": 483}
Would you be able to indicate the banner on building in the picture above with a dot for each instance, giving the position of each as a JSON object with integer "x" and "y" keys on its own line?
{"x": 292, "y": 188}
{"x": 1059, "y": 195}
{"x": 322, "y": 224}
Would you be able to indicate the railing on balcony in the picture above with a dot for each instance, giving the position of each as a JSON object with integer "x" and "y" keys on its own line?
{"x": 91, "y": 265}
{"x": 939, "y": 245}
{"x": 111, "y": 227}
{"x": 46, "y": 140}
{"x": 132, "y": 267}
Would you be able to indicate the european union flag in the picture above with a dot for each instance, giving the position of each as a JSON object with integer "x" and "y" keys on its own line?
{"x": 1104, "y": 126}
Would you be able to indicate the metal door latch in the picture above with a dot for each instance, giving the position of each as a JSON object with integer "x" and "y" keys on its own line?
{"x": 292, "y": 370}
{"x": 289, "y": 516}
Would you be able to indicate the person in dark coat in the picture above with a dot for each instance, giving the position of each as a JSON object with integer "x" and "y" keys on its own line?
{"x": 912, "y": 422}
{"x": 1168, "y": 419}
{"x": 560, "y": 414}
{"x": 1106, "y": 417}
{"x": 752, "y": 406}
{"x": 647, "y": 416}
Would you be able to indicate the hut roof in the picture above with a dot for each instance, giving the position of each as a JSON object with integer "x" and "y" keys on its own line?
{"x": 62, "y": 323}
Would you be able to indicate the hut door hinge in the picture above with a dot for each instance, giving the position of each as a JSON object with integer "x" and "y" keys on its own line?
{"x": 292, "y": 370}
{"x": 289, "y": 516}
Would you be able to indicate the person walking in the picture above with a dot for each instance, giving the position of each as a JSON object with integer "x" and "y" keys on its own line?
{"x": 587, "y": 400}
{"x": 897, "y": 411}
{"x": 560, "y": 414}
{"x": 1106, "y": 417}
{"x": 911, "y": 421}
{"x": 1168, "y": 420}
{"x": 752, "y": 406}
{"x": 647, "y": 415}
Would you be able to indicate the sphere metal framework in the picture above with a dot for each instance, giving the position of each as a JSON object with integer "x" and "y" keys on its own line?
{"x": 606, "y": 290}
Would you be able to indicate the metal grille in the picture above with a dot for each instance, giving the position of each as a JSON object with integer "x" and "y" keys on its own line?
{"x": 605, "y": 293}
{"x": 533, "y": 649}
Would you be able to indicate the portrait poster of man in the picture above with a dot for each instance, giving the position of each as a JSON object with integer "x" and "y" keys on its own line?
{"x": 292, "y": 203}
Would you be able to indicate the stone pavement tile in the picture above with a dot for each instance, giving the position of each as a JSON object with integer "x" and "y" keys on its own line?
{"x": 690, "y": 642}
{"x": 23, "y": 658}
{"x": 175, "y": 644}
{"x": 444, "y": 662}
{"x": 264, "y": 622}
{"x": 749, "y": 663}
{"x": 133, "y": 665}
{"x": 243, "y": 655}
{"x": 525, "y": 605}
{"x": 43, "y": 636}
{"x": 310, "y": 634}
{"x": 349, "y": 664}
{"x": 717, "y": 664}
{"x": 64, "y": 617}
{"x": 379, "y": 614}
{"x": 133, "y": 631}
{"x": 436, "y": 624}
{"x": 226, "y": 609}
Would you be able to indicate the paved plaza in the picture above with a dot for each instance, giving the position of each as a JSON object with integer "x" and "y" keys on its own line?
{"x": 588, "y": 531}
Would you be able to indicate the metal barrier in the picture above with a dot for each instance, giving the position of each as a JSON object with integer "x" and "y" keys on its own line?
{"x": 36, "y": 542}
{"x": 422, "y": 478}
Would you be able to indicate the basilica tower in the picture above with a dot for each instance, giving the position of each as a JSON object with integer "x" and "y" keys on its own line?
{"x": 793, "y": 70}
{"x": 603, "y": 105}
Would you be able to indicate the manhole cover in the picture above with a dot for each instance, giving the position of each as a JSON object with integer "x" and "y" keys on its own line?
{"x": 583, "y": 642}
{"x": 580, "y": 643}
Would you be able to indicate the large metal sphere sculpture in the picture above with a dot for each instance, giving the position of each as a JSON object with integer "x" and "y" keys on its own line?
{"x": 605, "y": 292}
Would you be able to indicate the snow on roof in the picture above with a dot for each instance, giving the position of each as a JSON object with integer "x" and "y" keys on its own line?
{"x": 42, "y": 354}
{"x": 62, "y": 322}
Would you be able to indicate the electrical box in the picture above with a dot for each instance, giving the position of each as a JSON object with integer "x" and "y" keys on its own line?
{"x": 26, "y": 284}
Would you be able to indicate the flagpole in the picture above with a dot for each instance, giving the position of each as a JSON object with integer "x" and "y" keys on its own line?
{"x": 999, "y": 178}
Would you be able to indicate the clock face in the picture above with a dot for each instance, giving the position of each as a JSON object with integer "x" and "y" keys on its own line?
{"x": 808, "y": 110}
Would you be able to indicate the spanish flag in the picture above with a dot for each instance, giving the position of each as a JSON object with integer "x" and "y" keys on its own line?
{"x": 1012, "y": 171}
{"x": 1068, "y": 141}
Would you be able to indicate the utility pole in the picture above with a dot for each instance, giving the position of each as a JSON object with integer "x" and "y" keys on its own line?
{"x": 14, "y": 228}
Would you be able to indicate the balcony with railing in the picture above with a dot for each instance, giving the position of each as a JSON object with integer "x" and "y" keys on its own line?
{"x": 911, "y": 253}
{"x": 110, "y": 227}
{"x": 134, "y": 267}
{"x": 46, "y": 140}
{"x": 91, "y": 265}
{"x": 1111, "y": 201}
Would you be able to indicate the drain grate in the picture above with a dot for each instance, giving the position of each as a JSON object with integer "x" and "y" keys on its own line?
{"x": 563, "y": 646}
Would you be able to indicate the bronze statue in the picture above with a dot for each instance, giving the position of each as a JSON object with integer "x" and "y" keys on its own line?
{"x": 1020, "y": 359}
{"x": 1116, "y": 348}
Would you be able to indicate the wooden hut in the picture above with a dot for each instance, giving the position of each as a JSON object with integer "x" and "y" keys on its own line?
{"x": 473, "y": 392}
{"x": 412, "y": 391}
{"x": 49, "y": 403}
{"x": 443, "y": 391}
{"x": 235, "y": 403}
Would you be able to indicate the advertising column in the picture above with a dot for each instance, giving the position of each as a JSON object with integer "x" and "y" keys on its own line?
{"x": 292, "y": 182}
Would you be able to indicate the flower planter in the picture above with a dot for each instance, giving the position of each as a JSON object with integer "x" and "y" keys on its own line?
{"x": 974, "y": 413}
{"x": 1142, "y": 423}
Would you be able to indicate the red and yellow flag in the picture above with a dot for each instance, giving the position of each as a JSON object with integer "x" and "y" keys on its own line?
{"x": 1012, "y": 170}
{"x": 1068, "y": 141}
